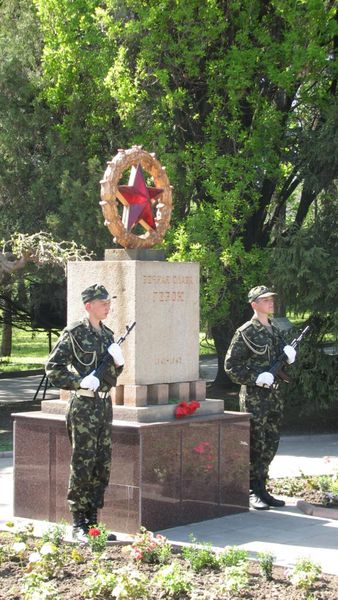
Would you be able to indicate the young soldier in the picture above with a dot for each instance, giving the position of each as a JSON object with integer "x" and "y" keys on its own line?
{"x": 254, "y": 347}
{"x": 70, "y": 366}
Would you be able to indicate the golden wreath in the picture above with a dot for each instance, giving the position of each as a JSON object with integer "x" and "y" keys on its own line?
{"x": 123, "y": 160}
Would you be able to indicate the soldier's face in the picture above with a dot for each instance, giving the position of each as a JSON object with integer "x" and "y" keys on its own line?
{"x": 98, "y": 309}
{"x": 265, "y": 306}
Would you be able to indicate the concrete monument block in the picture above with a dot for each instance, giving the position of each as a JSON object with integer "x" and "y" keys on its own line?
{"x": 163, "y": 299}
{"x": 144, "y": 414}
{"x": 158, "y": 393}
{"x": 135, "y": 395}
{"x": 198, "y": 390}
{"x": 180, "y": 391}
{"x": 134, "y": 254}
{"x": 117, "y": 394}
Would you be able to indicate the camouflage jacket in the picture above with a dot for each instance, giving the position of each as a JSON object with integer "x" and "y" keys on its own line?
{"x": 252, "y": 350}
{"x": 77, "y": 353}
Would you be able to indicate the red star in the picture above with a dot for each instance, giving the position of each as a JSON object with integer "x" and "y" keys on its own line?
{"x": 138, "y": 200}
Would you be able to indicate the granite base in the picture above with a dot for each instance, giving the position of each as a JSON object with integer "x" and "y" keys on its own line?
{"x": 163, "y": 474}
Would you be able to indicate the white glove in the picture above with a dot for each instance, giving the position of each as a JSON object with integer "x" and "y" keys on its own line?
{"x": 116, "y": 352}
{"x": 265, "y": 379}
{"x": 290, "y": 354}
{"x": 90, "y": 382}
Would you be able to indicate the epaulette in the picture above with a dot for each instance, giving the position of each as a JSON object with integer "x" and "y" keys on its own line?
{"x": 244, "y": 326}
{"x": 73, "y": 325}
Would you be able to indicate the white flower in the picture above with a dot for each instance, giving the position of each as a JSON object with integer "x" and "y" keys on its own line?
{"x": 34, "y": 557}
{"x": 47, "y": 548}
{"x": 19, "y": 546}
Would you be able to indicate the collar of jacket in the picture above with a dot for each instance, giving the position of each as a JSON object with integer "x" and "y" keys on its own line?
{"x": 258, "y": 325}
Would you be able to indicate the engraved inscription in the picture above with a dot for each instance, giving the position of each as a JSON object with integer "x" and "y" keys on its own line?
{"x": 168, "y": 296}
{"x": 168, "y": 279}
{"x": 173, "y": 360}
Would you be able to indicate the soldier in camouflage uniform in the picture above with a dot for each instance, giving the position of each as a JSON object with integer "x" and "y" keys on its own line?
{"x": 89, "y": 415}
{"x": 253, "y": 349}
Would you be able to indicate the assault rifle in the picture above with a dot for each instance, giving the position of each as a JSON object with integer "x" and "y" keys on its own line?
{"x": 102, "y": 371}
{"x": 277, "y": 368}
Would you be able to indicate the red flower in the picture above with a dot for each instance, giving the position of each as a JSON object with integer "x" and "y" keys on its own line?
{"x": 194, "y": 405}
{"x": 184, "y": 408}
{"x": 94, "y": 531}
{"x": 181, "y": 410}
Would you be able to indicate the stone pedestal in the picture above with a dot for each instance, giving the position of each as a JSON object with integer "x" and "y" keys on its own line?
{"x": 163, "y": 474}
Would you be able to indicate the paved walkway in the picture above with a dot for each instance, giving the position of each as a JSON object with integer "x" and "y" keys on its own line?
{"x": 23, "y": 389}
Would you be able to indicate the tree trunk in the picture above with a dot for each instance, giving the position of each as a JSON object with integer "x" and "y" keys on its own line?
{"x": 6, "y": 342}
{"x": 222, "y": 338}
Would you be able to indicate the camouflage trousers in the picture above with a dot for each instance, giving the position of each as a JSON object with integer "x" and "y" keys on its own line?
{"x": 266, "y": 410}
{"x": 88, "y": 423}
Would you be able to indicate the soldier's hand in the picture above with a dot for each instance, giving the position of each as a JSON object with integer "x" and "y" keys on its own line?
{"x": 116, "y": 352}
{"x": 265, "y": 379}
{"x": 290, "y": 353}
{"x": 90, "y": 382}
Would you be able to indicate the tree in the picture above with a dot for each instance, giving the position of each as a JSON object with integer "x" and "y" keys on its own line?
{"x": 49, "y": 172}
{"x": 16, "y": 254}
{"x": 237, "y": 97}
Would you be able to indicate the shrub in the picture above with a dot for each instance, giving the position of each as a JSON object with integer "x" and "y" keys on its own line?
{"x": 99, "y": 585}
{"x": 233, "y": 557}
{"x": 200, "y": 556}
{"x": 173, "y": 580}
{"x": 266, "y": 564}
{"x": 303, "y": 574}
{"x": 150, "y": 548}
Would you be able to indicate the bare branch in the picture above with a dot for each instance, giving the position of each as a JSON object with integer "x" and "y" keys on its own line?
{"x": 39, "y": 248}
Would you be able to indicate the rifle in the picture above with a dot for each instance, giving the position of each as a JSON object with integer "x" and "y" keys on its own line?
{"x": 102, "y": 370}
{"x": 277, "y": 368}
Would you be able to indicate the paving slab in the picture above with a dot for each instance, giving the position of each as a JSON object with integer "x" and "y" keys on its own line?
{"x": 23, "y": 389}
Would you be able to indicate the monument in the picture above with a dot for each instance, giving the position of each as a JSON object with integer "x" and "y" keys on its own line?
{"x": 177, "y": 456}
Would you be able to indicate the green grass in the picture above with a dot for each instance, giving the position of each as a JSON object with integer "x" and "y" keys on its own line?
{"x": 29, "y": 351}
{"x": 207, "y": 345}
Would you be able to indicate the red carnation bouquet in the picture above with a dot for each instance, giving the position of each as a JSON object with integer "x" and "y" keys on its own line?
{"x": 184, "y": 409}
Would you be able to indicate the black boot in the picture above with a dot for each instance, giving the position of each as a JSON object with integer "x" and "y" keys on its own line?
{"x": 91, "y": 517}
{"x": 255, "y": 499}
{"x": 80, "y": 527}
{"x": 270, "y": 500}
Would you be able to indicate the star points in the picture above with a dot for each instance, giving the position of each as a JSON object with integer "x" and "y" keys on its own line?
{"x": 138, "y": 200}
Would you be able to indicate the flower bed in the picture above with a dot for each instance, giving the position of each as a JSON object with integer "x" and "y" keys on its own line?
{"x": 38, "y": 569}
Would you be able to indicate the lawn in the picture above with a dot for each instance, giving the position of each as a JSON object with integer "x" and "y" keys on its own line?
{"x": 31, "y": 348}
{"x": 29, "y": 351}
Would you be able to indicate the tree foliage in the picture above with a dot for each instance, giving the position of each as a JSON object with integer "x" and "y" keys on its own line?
{"x": 236, "y": 97}
{"x": 305, "y": 265}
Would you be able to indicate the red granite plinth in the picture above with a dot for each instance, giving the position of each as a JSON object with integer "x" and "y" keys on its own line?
{"x": 163, "y": 474}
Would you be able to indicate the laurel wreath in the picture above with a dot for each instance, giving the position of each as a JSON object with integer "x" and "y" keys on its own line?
{"x": 123, "y": 160}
